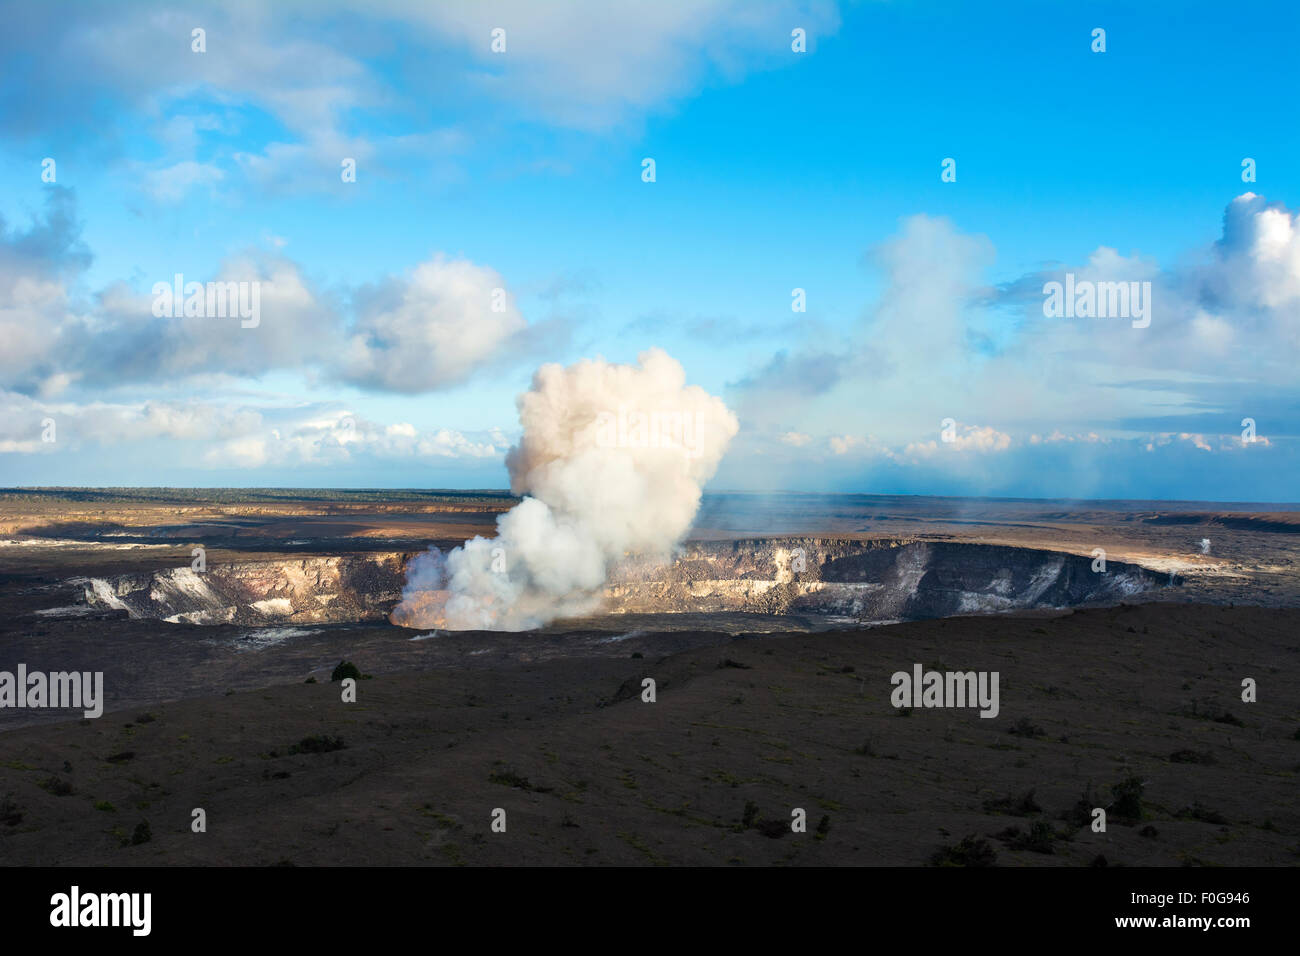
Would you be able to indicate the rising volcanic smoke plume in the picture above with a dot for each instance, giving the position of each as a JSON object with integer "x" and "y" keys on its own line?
{"x": 611, "y": 463}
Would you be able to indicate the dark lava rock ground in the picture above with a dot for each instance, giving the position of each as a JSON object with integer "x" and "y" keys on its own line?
{"x": 553, "y": 731}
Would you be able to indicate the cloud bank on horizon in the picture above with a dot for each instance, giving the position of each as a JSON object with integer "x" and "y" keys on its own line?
{"x": 432, "y": 200}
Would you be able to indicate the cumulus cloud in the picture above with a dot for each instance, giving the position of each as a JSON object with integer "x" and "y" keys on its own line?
{"x": 803, "y": 373}
{"x": 429, "y": 329}
{"x": 1230, "y": 308}
{"x": 591, "y": 64}
{"x": 230, "y": 435}
{"x": 940, "y": 342}
{"x": 310, "y": 66}
{"x": 170, "y": 183}
{"x": 964, "y": 438}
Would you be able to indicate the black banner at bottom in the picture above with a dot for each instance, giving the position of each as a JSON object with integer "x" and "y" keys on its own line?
{"x": 215, "y": 905}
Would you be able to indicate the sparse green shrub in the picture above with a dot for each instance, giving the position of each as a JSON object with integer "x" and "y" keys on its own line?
{"x": 1127, "y": 805}
{"x": 10, "y": 813}
{"x": 1020, "y": 806}
{"x": 1024, "y": 727}
{"x": 1080, "y": 815}
{"x": 57, "y": 786}
{"x": 318, "y": 744}
{"x": 1192, "y": 756}
{"x": 1198, "y": 811}
{"x": 344, "y": 670}
{"x": 508, "y": 778}
{"x": 971, "y": 851}
{"x": 1037, "y": 840}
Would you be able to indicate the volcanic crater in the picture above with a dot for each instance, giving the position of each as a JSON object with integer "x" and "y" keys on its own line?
{"x": 844, "y": 580}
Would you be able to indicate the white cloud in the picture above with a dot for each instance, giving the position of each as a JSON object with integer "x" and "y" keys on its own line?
{"x": 171, "y": 183}
{"x": 966, "y": 438}
{"x": 226, "y": 435}
{"x": 430, "y": 329}
{"x": 592, "y": 64}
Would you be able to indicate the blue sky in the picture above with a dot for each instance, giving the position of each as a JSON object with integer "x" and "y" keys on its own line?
{"x": 377, "y": 362}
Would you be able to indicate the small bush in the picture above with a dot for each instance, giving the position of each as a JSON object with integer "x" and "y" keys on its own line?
{"x": 1198, "y": 811}
{"x": 969, "y": 852}
{"x": 1192, "y": 756}
{"x": 1019, "y": 806}
{"x": 1080, "y": 815}
{"x": 318, "y": 744}
{"x": 105, "y": 806}
{"x": 1024, "y": 727}
{"x": 1128, "y": 799}
{"x": 344, "y": 670}
{"x": 10, "y": 813}
{"x": 57, "y": 786}
{"x": 1037, "y": 840}
{"x": 142, "y": 833}
{"x": 508, "y": 778}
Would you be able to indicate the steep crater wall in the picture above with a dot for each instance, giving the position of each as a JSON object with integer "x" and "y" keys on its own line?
{"x": 878, "y": 580}
{"x": 302, "y": 590}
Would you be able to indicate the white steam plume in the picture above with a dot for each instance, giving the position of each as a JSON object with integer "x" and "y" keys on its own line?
{"x": 611, "y": 463}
